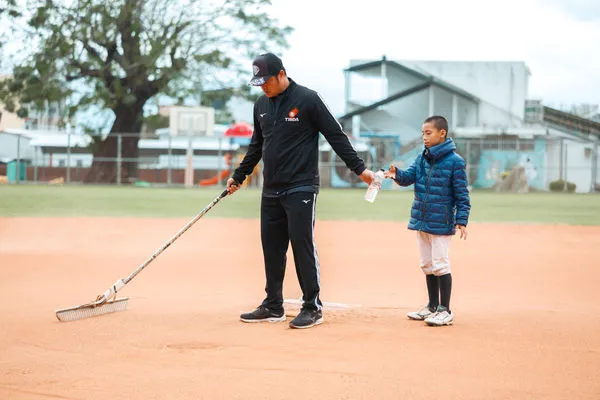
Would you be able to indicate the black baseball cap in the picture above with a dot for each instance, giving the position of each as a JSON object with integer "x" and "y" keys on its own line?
{"x": 265, "y": 66}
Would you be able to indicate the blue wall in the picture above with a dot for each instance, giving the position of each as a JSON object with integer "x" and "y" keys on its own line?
{"x": 494, "y": 163}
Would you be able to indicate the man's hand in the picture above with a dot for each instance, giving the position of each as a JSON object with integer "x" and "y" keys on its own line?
{"x": 391, "y": 173}
{"x": 232, "y": 185}
{"x": 367, "y": 176}
{"x": 463, "y": 231}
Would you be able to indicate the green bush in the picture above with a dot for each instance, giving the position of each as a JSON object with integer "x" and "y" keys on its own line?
{"x": 561, "y": 185}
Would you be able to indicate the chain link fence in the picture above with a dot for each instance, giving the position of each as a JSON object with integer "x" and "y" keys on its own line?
{"x": 498, "y": 163}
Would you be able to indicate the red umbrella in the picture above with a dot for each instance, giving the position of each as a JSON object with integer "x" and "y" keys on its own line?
{"x": 239, "y": 129}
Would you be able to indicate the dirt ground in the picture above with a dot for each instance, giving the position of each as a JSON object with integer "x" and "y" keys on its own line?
{"x": 525, "y": 299}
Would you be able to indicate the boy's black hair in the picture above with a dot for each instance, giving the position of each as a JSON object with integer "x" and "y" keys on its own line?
{"x": 439, "y": 122}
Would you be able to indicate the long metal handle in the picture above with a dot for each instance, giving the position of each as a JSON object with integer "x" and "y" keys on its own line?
{"x": 174, "y": 238}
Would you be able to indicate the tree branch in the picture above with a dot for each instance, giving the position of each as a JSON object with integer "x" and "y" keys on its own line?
{"x": 85, "y": 73}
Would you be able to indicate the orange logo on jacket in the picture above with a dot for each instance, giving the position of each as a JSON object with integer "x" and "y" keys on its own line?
{"x": 292, "y": 115}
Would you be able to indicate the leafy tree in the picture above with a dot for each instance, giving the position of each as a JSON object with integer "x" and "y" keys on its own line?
{"x": 118, "y": 54}
{"x": 218, "y": 100}
{"x": 10, "y": 8}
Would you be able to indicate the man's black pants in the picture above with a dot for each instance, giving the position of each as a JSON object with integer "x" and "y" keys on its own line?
{"x": 285, "y": 219}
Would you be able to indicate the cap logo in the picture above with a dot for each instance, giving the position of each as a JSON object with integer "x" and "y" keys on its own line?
{"x": 255, "y": 69}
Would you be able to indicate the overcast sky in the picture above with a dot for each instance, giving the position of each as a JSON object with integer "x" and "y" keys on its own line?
{"x": 559, "y": 40}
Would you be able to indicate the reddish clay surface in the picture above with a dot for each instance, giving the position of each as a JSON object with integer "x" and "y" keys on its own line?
{"x": 525, "y": 299}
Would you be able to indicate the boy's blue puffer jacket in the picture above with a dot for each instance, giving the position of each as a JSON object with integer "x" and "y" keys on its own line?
{"x": 441, "y": 194}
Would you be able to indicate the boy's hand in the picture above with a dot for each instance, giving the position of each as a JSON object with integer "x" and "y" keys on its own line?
{"x": 391, "y": 173}
{"x": 463, "y": 231}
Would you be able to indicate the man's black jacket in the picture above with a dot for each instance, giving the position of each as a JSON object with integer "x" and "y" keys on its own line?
{"x": 286, "y": 136}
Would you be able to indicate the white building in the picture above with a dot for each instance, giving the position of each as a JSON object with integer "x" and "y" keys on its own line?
{"x": 14, "y": 144}
{"x": 490, "y": 94}
{"x": 59, "y": 149}
{"x": 489, "y": 115}
{"x": 9, "y": 120}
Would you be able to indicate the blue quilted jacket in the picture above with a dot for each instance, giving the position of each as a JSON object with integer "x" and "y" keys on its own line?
{"x": 441, "y": 194}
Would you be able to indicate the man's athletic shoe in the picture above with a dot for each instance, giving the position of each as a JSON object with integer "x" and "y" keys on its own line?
{"x": 441, "y": 317}
{"x": 421, "y": 314}
{"x": 307, "y": 318}
{"x": 263, "y": 314}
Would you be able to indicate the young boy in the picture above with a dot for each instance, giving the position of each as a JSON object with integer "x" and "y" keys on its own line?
{"x": 441, "y": 205}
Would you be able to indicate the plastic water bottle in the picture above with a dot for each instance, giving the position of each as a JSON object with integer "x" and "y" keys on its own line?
{"x": 374, "y": 186}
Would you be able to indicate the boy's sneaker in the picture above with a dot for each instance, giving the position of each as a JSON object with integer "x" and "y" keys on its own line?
{"x": 307, "y": 318}
{"x": 263, "y": 314}
{"x": 441, "y": 317}
{"x": 421, "y": 314}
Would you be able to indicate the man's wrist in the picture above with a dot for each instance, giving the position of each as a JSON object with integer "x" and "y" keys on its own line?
{"x": 237, "y": 178}
{"x": 360, "y": 170}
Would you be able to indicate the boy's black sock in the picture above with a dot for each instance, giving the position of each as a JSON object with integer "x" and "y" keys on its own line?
{"x": 445, "y": 290}
{"x": 433, "y": 288}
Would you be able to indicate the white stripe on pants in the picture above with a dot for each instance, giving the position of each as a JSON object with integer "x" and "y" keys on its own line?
{"x": 434, "y": 251}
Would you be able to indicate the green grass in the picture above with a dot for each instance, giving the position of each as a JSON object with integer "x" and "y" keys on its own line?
{"x": 332, "y": 204}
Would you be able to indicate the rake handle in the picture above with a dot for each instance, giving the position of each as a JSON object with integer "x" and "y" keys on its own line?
{"x": 175, "y": 237}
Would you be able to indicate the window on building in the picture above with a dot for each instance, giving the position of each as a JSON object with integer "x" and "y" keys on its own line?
{"x": 526, "y": 145}
{"x": 508, "y": 144}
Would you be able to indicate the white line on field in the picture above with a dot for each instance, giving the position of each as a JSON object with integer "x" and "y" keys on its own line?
{"x": 327, "y": 304}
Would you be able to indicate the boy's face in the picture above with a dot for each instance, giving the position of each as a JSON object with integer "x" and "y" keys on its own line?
{"x": 432, "y": 136}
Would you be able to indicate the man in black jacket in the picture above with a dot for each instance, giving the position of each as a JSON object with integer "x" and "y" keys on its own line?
{"x": 287, "y": 122}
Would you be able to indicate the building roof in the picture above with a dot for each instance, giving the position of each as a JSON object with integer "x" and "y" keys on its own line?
{"x": 571, "y": 122}
{"x": 428, "y": 81}
{"x": 389, "y": 99}
{"x": 416, "y": 72}
{"x": 181, "y": 143}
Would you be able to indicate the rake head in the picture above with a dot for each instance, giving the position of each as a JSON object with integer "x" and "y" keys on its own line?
{"x": 93, "y": 309}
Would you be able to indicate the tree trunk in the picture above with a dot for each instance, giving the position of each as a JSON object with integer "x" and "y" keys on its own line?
{"x": 127, "y": 127}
